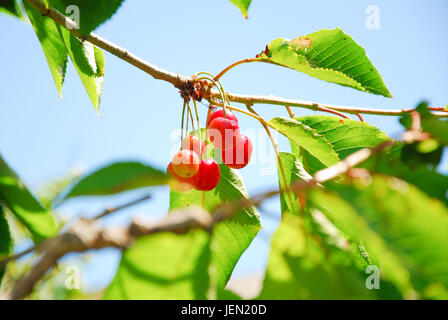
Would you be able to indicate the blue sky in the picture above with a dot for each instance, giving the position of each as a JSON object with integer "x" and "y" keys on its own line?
{"x": 43, "y": 137}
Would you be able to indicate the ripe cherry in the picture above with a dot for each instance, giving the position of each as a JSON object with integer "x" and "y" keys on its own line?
{"x": 209, "y": 174}
{"x": 220, "y": 114}
{"x": 224, "y": 133}
{"x": 179, "y": 183}
{"x": 186, "y": 163}
{"x": 192, "y": 143}
{"x": 239, "y": 156}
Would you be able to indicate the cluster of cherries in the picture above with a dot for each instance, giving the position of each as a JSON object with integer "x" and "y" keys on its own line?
{"x": 191, "y": 172}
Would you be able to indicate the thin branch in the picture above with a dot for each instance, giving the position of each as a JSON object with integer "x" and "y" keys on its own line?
{"x": 323, "y": 109}
{"x": 291, "y": 114}
{"x": 279, "y": 159}
{"x": 219, "y": 75}
{"x": 103, "y": 214}
{"x": 360, "y": 117}
{"x": 273, "y": 100}
{"x": 85, "y": 235}
{"x": 180, "y": 81}
{"x": 108, "y": 211}
{"x": 17, "y": 256}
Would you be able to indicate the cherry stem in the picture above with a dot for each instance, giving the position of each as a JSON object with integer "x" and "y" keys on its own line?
{"x": 182, "y": 124}
{"x": 191, "y": 117}
{"x": 250, "y": 114}
{"x": 291, "y": 114}
{"x": 360, "y": 117}
{"x": 199, "y": 128}
{"x": 234, "y": 65}
{"x": 188, "y": 123}
{"x": 218, "y": 85}
{"x": 323, "y": 109}
{"x": 277, "y": 152}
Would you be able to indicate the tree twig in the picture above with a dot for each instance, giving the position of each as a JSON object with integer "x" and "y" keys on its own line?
{"x": 108, "y": 211}
{"x": 180, "y": 81}
{"x": 16, "y": 256}
{"x": 291, "y": 114}
{"x": 103, "y": 214}
{"x": 273, "y": 100}
{"x": 177, "y": 80}
{"x": 85, "y": 235}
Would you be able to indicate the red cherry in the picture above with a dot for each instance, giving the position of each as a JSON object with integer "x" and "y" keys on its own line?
{"x": 220, "y": 114}
{"x": 239, "y": 156}
{"x": 223, "y": 133}
{"x": 192, "y": 143}
{"x": 179, "y": 183}
{"x": 209, "y": 175}
{"x": 186, "y": 163}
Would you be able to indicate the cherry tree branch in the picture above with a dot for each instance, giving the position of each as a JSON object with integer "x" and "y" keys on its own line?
{"x": 175, "y": 79}
{"x": 102, "y": 214}
{"x": 181, "y": 81}
{"x": 273, "y": 100}
{"x": 85, "y": 234}
{"x": 126, "y": 205}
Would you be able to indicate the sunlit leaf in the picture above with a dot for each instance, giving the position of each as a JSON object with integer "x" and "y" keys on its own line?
{"x": 243, "y": 5}
{"x": 89, "y": 63}
{"x": 6, "y": 241}
{"x": 345, "y": 136}
{"x": 15, "y": 195}
{"x": 300, "y": 268}
{"x": 52, "y": 44}
{"x": 400, "y": 227}
{"x": 389, "y": 162}
{"x": 230, "y": 237}
{"x": 117, "y": 177}
{"x": 294, "y": 172}
{"x": 11, "y": 7}
{"x": 164, "y": 266}
{"x": 91, "y": 13}
{"x": 329, "y": 55}
{"x": 304, "y": 137}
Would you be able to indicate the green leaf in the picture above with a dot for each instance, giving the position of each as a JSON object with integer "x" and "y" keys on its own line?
{"x": 294, "y": 172}
{"x": 389, "y": 162}
{"x": 24, "y": 206}
{"x": 6, "y": 241}
{"x": 164, "y": 266}
{"x": 11, "y": 7}
{"x": 226, "y": 294}
{"x": 91, "y": 13}
{"x": 230, "y": 237}
{"x": 302, "y": 136}
{"x": 403, "y": 229}
{"x": 329, "y": 55}
{"x": 299, "y": 268}
{"x": 89, "y": 63}
{"x": 117, "y": 177}
{"x": 52, "y": 44}
{"x": 50, "y": 192}
{"x": 345, "y": 138}
{"x": 243, "y": 5}
{"x": 437, "y": 127}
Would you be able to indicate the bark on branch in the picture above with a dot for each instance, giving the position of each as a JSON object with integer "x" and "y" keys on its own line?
{"x": 85, "y": 234}
{"x": 180, "y": 81}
